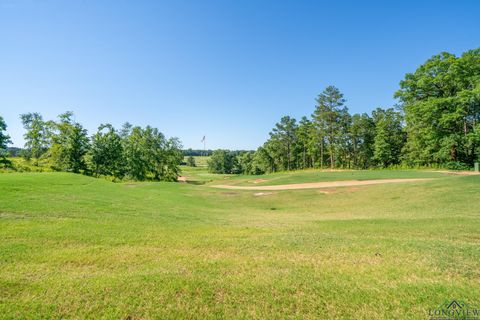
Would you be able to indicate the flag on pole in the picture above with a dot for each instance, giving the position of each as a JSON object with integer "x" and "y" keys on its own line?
{"x": 203, "y": 139}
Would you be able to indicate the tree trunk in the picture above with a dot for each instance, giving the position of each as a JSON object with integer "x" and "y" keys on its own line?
{"x": 321, "y": 154}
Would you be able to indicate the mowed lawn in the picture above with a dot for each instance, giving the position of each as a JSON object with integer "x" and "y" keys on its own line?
{"x": 78, "y": 247}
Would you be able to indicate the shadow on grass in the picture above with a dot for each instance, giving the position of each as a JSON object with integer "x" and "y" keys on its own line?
{"x": 195, "y": 182}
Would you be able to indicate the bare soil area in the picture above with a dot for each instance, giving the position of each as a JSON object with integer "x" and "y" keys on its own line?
{"x": 315, "y": 185}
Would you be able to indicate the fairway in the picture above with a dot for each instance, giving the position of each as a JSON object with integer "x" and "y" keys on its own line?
{"x": 78, "y": 247}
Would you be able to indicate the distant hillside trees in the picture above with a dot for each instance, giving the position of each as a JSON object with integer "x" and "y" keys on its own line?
{"x": 197, "y": 153}
{"x": 436, "y": 124}
{"x": 222, "y": 161}
{"x": 332, "y": 138}
{"x": 131, "y": 153}
{"x": 36, "y": 135}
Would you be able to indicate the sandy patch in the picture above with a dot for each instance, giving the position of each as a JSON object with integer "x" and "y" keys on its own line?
{"x": 258, "y": 180}
{"x": 131, "y": 185}
{"x": 327, "y": 184}
{"x": 182, "y": 179}
{"x": 262, "y": 194}
{"x": 328, "y": 191}
{"x": 457, "y": 173}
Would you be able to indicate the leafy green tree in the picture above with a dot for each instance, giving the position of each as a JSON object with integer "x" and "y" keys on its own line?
{"x": 70, "y": 144}
{"x": 389, "y": 137}
{"x": 441, "y": 102}
{"x": 107, "y": 152}
{"x": 4, "y": 141}
{"x": 245, "y": 163}
{"x": 362, "y": 134}
{"x": 173, "y": 158}
{"x": 191, "y": 161}
{"x": 263, "y": 160}
{"x": 148, "y": 155}
{"x": 221, "y": 161}
{"x": 36, "y": 136}
{"x": 134, "y": 153}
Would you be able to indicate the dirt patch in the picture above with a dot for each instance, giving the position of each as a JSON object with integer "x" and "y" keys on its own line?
{"x": 262, "y": 194}
{"x": 328, "y": 191}
{"x": 182, "y": 179}
{"x": 457, "y": 173}
{"x": 327, "y": 184}
{"x": 131, "y": 185}
{"x": 332, "y": 191}
{"x": 258, "y": 181}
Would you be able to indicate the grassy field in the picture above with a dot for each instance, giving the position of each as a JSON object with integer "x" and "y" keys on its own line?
{"x": 77, "y": 247}
{"x": 200, "y": 161}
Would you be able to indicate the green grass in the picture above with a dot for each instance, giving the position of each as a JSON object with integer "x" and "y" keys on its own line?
{"x": 200, "y": 161}
{"x": 78, "y": 247}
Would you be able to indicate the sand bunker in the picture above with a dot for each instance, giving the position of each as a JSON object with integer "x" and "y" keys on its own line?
{"x": 315, "y": 185}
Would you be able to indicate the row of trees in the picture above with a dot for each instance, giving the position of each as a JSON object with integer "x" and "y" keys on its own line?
{"x": 436, "y": 123}
{"x": 129, "y": 153}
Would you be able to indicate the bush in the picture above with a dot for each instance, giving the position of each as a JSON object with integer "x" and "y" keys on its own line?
{"x": 457, "y": 166}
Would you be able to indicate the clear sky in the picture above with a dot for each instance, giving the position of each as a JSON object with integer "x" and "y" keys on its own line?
{"x": 227, "y": 69}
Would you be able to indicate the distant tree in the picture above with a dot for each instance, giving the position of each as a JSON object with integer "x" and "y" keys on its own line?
{"x": 135, "y": 157}
{"x": 197, "y": 153}
{"x": 173, "y": 159}
{"x": 343, "y": 145}
{"x": 362, "y": 134}
{"x": 263, "y": 160}
{"x": 389, "y": 137}
{"x": 107, "y": 151}
{"x": 70, "y": 144}
{"x": 4, "y": 141}
{"x": 283, "y": 136}
{"x": 245, "y": 163}
{"x": 15, "y": 152}
{"x": 148, "y": 155}
{"x": 328, "y": 119}
{"x": 221, "y": 161}
{"x": 304, "y": 142}
{"x": 36, "y": 136}
{"x": 191, "y": 161}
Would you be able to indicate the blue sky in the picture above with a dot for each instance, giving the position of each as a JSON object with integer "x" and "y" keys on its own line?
{"x": 227, "y": 69}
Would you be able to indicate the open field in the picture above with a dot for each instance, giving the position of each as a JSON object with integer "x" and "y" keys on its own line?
{"x": 200, "y": 161}
{"x": 78, "y": 247}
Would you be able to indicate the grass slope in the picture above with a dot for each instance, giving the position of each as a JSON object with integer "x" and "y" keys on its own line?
{"x": 78, "y": 247}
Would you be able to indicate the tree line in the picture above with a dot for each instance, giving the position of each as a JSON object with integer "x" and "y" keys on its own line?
{"x": 435, "y": 124}
{"x": 132, "y": 152}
